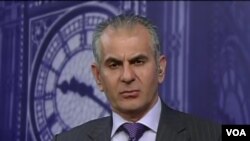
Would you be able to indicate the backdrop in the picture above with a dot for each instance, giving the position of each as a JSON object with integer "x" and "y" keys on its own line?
{"x": 45, "y": 55}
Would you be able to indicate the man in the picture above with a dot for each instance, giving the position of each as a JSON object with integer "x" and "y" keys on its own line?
{"x": 129, "y": 69}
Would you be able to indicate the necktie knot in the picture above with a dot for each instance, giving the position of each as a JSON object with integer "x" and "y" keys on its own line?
{"x": 134, "y": 130}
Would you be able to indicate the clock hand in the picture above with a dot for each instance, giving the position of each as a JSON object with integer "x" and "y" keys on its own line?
{"x": 83, "y": 90}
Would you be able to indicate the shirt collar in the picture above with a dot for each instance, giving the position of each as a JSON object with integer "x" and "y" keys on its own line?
{"x": 151, "y": 119}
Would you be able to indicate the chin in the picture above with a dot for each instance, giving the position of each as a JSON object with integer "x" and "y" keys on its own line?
{"x": 133, "y": 108}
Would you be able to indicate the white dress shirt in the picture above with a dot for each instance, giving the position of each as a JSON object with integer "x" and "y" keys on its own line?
{"x": 151, "y": 120}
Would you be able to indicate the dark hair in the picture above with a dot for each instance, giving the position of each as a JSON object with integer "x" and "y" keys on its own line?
{"x": 124, "y": 20}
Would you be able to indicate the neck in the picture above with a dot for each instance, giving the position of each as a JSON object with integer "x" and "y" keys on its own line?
{"x": 136, "y": 115}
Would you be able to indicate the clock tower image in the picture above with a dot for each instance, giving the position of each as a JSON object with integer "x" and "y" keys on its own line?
{"x": 62, "y": 90}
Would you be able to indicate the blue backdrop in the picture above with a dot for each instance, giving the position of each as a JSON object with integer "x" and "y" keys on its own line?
{"x": 46, "y": 84}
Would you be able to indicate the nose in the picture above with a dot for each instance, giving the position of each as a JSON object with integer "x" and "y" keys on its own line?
{"x": 128, "y": 75}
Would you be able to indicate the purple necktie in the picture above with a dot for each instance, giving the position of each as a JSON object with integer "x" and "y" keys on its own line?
{"x": 134, "y": 130}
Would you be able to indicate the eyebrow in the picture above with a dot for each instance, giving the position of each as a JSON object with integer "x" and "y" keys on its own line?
{"x": 112, "y": 59}
{"x": 131, "y": 60}
{"x": 138, "y": 57}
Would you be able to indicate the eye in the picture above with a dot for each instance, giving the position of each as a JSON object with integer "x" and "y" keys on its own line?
{"x": 139, "y": 62}
{"x": 113, "y": 65}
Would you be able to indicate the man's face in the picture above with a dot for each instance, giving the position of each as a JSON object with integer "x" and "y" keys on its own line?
{"x": 128, "y": 72}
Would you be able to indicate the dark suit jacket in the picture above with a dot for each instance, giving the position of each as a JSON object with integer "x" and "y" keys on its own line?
{"x": 173, "y": 126}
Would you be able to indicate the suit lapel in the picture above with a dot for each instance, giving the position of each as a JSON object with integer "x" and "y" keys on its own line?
{"x": 171, "y": 127}
{"x": 101, "y": 131}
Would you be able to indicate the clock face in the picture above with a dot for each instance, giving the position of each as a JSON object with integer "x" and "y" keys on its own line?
{"x": 63, "y": 91}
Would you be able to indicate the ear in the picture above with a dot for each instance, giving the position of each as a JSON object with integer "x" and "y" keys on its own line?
{"x": 96, "y": 73}
{"x": 162, "y": 68}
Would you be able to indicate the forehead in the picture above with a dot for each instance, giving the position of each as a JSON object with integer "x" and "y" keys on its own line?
{"x": 125, "y": 42}
{"x": 112, "y": 34}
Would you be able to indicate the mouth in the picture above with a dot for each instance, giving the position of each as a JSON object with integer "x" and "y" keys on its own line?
{"x": 130, "y": 93}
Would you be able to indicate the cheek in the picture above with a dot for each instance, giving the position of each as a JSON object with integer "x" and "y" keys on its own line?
{"x": 148, "y": 72}
{"x": 148, "y": 77}
{"x": 109, "y": 80}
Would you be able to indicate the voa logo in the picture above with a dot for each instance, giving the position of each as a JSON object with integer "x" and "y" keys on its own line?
{"x": 236, "y": 132}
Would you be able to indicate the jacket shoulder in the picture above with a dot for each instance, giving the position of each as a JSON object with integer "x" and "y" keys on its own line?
{"x": 81, "y": 132}
{"x": 195, "y": 121}
{"x": 200, "y": 128}
{"x": 189, "y": 126}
